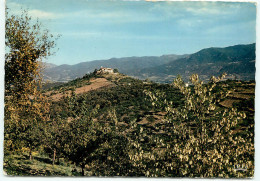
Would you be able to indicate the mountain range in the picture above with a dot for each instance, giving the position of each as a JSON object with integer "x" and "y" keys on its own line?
{"x": 237, "y": 61}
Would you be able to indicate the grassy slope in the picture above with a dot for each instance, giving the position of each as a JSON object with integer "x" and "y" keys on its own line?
{"x": 40, "y": 166}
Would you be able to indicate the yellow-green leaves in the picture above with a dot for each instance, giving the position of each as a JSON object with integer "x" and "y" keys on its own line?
{"x": 203, "y": 138}
{"x": 25, "y": 106}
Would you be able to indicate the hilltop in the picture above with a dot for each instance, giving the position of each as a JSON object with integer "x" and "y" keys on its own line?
{"x": 114, "y": 89}
{"x": 102, "y": 78}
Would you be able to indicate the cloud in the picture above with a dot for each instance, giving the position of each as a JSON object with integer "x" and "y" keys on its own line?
{"x": 207, "y": 8}
{"x": 231, "y": 28}
{"x": 204, "y": 10}
{"x": 13, "y": 5}
{"x": 17, "y": 8}
{"x": 43, "y": 14}
{"x": 96, "y": 16}
{"x": 116, "y": 16}
{"x": 200, "y": 8}
{"x": 112, "y": 35}
{"x": 85, "y": 34}
{"x": 190, "y": 22}
{"x": 89, "y": 14}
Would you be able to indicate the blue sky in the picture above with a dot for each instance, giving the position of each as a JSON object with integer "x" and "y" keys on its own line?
{"x": 95, "y": 30}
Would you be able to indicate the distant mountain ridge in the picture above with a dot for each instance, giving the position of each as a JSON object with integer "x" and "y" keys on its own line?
{"x": 237, "y": 61}
{"x": 125, "y": 65}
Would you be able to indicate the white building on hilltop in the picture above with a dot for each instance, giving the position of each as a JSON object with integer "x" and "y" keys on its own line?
{"x": 105, "y": 70}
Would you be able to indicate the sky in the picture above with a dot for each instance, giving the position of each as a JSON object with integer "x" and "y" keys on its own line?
{"x": 98, "y": 30}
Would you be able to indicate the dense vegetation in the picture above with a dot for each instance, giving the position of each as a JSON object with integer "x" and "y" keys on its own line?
{"x": 130, "y": 128}
{"x": 126, "y": 131}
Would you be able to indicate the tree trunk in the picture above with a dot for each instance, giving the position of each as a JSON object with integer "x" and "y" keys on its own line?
{"x": 54, "y": 155}
{"x": 30, "y": 154}
{"x": 82, "y": 169}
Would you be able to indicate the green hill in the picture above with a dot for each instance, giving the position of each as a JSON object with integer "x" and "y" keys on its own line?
{"x": 105, "y": 124}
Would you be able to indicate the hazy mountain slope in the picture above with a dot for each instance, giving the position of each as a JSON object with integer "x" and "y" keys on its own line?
{"x": 126, "y": 65}
{"x": 236, "y": 60}
{"x": 49, "y": 65}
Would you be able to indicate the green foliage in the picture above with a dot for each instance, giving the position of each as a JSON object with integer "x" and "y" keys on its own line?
{"x": 150, "y": 119}
{"x": 115, "y": 70}
{"x": 25, "y": 106}
{"x": 26, "y": 44}
{"x": 54, "y": 138}
{"x": 203, "y": 142}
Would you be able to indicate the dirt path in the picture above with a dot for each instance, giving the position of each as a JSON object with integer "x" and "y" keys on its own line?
{"x": 95, "y": 84}
{"x": 228, "y": 102}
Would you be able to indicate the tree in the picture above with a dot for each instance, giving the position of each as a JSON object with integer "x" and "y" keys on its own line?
{"x": 54, "y": 137}
{"x": 93, "y": 141}
{"x": 26, "y": 44}
{"x": 83, "y": 136}
{"x": 203, "y": 141}
{"x": 115, "y": 70}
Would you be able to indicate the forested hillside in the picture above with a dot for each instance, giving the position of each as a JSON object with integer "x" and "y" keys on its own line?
{"x": 111, "y": 124}
{"x": 237, "y": 61}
